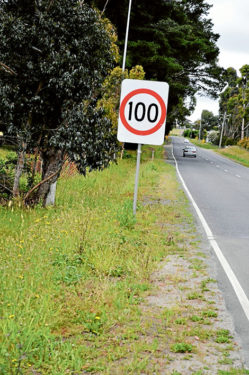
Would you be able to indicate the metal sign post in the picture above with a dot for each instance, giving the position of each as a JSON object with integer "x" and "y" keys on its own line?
{"x": 139, "y": 152}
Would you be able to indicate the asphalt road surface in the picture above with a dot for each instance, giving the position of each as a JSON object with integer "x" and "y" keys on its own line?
{"x": 220, "y": 188}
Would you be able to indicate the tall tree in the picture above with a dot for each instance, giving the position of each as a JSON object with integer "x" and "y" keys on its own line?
{"x": 208, "y": 120}
{"x": 54, "y": 58}
{"x": 174, "y": 42}
{"x": 234, "y": 103}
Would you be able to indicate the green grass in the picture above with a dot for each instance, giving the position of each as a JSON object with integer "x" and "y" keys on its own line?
{"x": 72, "y": 273}
{"x": 5, "y": 150}
{"x": 74, "y": 277}
{"x": 236, "y": 153}
{"x": 182, "y": 347}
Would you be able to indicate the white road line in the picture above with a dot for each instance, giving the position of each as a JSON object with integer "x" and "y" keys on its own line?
{"x": 225, "y": 170}
{"x": 237, "y": 175}
{"x": 217, "y": 166}
{"x": 224, "y": 263}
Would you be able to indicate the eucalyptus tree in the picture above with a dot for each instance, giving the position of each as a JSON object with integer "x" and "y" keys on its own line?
{"x": 234, "y": 103}
{"x": 54, "y": 56}
{"x": 174, "y": 42}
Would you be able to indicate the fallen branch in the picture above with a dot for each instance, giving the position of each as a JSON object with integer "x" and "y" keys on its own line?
{"x": 40, "y": 183}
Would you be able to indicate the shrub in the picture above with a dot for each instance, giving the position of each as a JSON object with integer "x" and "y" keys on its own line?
{"x": 182, "y": 347}
{"x": 213, "y": 137}
{"x": 7, "y": 173}
{"x": 190, "y": 133}
{"x": 244, "y": 143}
{"x": 230, "y": 142}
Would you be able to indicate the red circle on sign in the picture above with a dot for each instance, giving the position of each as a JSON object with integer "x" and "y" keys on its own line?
{"x": 160, "y": 122}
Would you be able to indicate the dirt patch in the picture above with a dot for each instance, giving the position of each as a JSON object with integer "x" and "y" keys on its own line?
{"x": 196, "y": 314}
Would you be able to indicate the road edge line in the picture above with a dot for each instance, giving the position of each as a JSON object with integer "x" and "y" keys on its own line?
{"x": 224, "y": 263}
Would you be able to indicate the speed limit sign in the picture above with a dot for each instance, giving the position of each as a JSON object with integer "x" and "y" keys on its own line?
{"x": 143, "y": 110}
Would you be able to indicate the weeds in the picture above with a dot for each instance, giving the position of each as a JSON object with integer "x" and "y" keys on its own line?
{"x": 182, "y": 347}
{"x": 125, "y": 215}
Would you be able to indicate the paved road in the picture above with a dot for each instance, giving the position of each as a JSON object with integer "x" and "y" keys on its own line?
{"x": 220, "y": 187}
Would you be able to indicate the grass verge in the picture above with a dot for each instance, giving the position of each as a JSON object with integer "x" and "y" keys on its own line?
{"x": 75, "y": 278}
{"x": 236, "y": 153}
{"x": 202, "y": 144}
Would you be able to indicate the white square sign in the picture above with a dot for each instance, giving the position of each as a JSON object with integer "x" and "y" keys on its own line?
{"x": 142, "y": 112}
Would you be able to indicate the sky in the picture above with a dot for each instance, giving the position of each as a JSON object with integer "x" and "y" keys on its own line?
{"x": 230, "y": 19}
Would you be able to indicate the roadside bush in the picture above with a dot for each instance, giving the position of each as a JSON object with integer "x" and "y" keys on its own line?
{"x": 190, "y": 133}
{"x": 226, "y": 141}
{"x": 213, "y": 137}
{"x": 7, "y": 174}
{"x": 230, "y": 142}
{"x": 244, "y": 143}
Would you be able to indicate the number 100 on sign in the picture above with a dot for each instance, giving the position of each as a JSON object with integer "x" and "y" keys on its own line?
{"x": 143, "y": 109}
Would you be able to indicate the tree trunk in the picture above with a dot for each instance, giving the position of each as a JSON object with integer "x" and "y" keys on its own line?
{"x": 50, "y": 199}
{"x": 52, "y": 162}
{"x": 242, "y": 129}
{"x": 19, "y": 169}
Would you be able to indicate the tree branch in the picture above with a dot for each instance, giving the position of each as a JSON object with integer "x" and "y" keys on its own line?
{"x": 5, "y": 187}
{"x": 247, "y": 125}
{"x": 40, "y": 183}
{"x": 7, "y": 69}
{"x": 107, "y": 1}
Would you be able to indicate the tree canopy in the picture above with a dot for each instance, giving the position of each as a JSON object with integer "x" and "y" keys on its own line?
{"x": 174, "y": 42}
{"x": 54, "y": 58}
{"x": 234, "y": 103}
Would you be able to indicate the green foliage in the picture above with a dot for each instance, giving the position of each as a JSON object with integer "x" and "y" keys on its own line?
{"x": 111, "y": 91}
{"x": 7, "y": 173}
{"x": 208, "y": 120}
{"x": 55, "y": 57}
{"x": 213, "y": 137}
{"x": 125, "y": 215}
{"x": 182, "y": 347}
{"x": 227, "y": 141}
{"x": 190, "y": 133}
{"x": 234, "y": 104}
{"x": 210, "y": 314}
{"x": 244, "y": 143}
{"x": 174, "y": 42}
{"x": 223, "y": 336}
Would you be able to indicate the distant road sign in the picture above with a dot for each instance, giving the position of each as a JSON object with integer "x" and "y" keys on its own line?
{"x": 143, "y": 110}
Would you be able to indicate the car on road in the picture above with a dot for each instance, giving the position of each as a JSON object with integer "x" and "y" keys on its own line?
{"x": 189, "y": 150}
{"x": 186, "y": 141}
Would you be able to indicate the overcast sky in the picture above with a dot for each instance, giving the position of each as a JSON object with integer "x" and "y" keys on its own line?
{"x": 231, "y": 21}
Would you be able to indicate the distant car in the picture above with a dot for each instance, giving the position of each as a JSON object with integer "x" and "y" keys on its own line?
{"x": 189, "y": 151}
{"x": 186, "y": 141}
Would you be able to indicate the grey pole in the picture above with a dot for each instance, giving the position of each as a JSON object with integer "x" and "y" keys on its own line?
{"x": 126, "y": 36}
{"x": 222, "y": 129}
{"x": 136, "y": 179}
{"x": 200, "y": 128}
{"x": 139, "y": 145}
